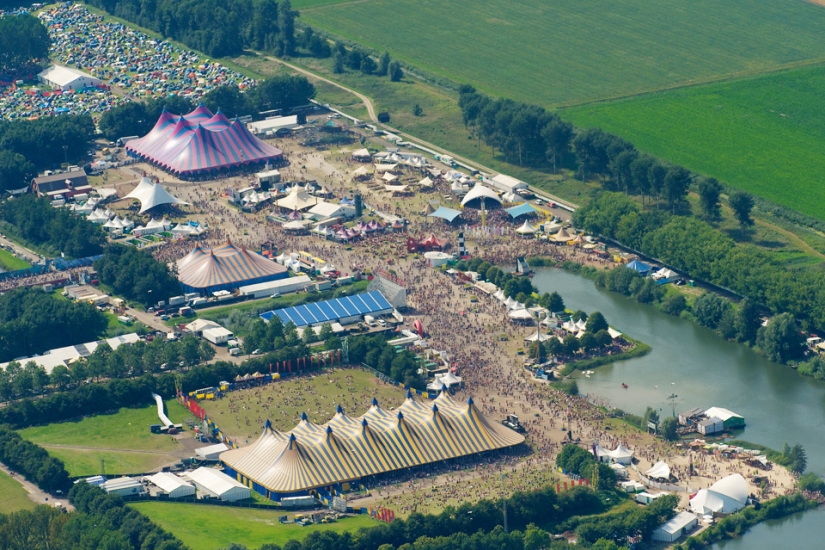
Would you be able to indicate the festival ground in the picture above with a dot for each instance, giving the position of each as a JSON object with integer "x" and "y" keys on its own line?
{"x": 469, "y": 331}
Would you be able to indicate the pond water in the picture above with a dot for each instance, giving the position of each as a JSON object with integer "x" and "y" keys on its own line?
{"x": 703, "y": 370}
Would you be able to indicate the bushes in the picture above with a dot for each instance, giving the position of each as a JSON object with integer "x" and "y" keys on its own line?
{"x": 136, "y": 274}
{"x": 33, "y": 462}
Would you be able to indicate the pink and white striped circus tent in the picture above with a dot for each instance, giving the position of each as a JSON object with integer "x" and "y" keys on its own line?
{"x": 201, "y": 143}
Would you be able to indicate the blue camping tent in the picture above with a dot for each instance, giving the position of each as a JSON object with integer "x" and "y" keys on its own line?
{"x": 639, "y": 266}
{"x": 445, "y": 213}
{"x": 521, "y": 209}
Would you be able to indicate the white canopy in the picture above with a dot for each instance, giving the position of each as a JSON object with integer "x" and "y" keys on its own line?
{"x": 509, "y": 302}
{"x": 385, "y": 167}
{"x": 389, "y": 177}
{"x": 499, "y": 295}
{"x": 426, "y": 182}
{"x": 142, "y": 188}
{"x": 98, "y": 216}
{"x": 156, "y": 196}
{"x": 660, "y": 470}
{"x": 622, "y": 454}
{"x": 526, "y": 229}
{"x": 538, "y": 336}
{"x": 395, "y": 188}
{"x": 480, "y": 191}
{"x": 294, "y": 225}
{"x": 361, "y": 154}
{"x": 613, "y": 332}
{"x": 520, "y": 314}
{"x": 298, "y": 199}
{"x": 726, "y": 496}
{"x": 509, "y": 196}
{"x": 360, "y": 171}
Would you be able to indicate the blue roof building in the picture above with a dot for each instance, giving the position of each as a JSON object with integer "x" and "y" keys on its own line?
{"x": 340, "y": 310}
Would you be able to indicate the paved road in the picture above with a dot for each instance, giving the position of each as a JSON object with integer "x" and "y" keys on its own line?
{"x": 27, "y": 254}
{"x": 37, "y": 495}
{"x": 371, "y": 112}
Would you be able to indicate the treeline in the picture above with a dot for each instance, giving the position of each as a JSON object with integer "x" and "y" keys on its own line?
{"x": 218, "y": 29}
{"x": 27, "y": 146}
{"x": 356, "y": 59}
{"x": 525, "y": 134}
{"x": 33, "y": 321}
{"x": 279, "y": 92}
{"x": 18, "y": 381}
{"x": 33, "y": 462}
{"x": 100, "y": 521}
{"x": 375, "y": 352}
{"x": 581, "y": 462}
{"x": 38, "y": 222}
{"x": 270, "y": 336}
{"x": 136, "y": 274}
{"x": 24, "y": 46}
{"x": 697, "y": 249}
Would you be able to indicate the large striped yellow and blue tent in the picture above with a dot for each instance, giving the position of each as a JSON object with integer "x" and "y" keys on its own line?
{"x": 225, "y": 268}
{"x": 346, "y": 449}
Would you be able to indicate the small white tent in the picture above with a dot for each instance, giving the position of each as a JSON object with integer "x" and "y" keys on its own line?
{"x": 660, "y": 470}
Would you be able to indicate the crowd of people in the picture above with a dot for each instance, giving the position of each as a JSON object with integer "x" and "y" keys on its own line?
{"x": 131, "y": 65}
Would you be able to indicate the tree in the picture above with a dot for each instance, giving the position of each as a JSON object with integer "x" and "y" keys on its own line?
{"x": 396, "y": 72}
{"x": 596, "y": 322}
{"x": 556, "y": 304}
{"x": 571, "y": 344}
{"x": 354, "y": 60}
{"x": 136, "y": 274}
{"x": 125, "y": 120}
{"x": 709, "y": 191}
{"x": 325, "y": 333}
{"x": 781, "y": 339}
{"x": 742, "y": 204}
{"x": 282, "y": 92}
{"x": 747, "y": 321}
{"x": 603, "y": 338}
{"x": 674, "y": 304}
{"x": 668, "y": 429}
{"x": 15, "y": 171}
{"x": 676, "y": 184}
{"x": 709, "y": 308}
{"x": 650, "y": 415}
{"x": 656, "y": 176}
{"x": 228, "y": 99}
{"x": 383, "y": 64}
{"x": 368, "y": 65}
{"x": 417, "y": 110}
{"x": 558, "y": 137}
{"x": 579, "y": 315}
{"x": 589, "y": 342}
{"x": 319, "y": 47}
{"x": 286, "y": 27}
{"x": 797, "y": 459}
{"x": 24, "y": 43}
{"x": 338, "y": 63}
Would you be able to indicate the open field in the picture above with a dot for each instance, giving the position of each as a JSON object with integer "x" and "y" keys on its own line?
{"x": 10, "y": 262}
{"x": 121, "y": 439}
{"x": 762, "y": 134}
{"x": 14, "y": 497}
{"x": 213, "y": 527}
{"x": 243, "y": 413}
{"x": 566, "y": 52}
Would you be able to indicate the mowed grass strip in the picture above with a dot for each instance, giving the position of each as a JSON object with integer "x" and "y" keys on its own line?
{"x": 764, "y": 135}
{"x": 87, "y": 462}
{"x": 242, "y": 413}
{"x": 10, "y": 262}
{"x": 212, "y": 527}
{"x": 555, "y": 53}
{"x": 14, "y": 497}
{"x": 126, "y": 429}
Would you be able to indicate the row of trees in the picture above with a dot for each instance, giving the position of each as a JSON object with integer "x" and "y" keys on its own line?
{"x": 58, "y": 229}
{"x": 581, "y": 462}
{"x": 218, "y": 29}
{"x": 694, "y": 247}
{"x": 375, "y": 352}
{"x": 24, "y": 46}
{"x": 273, "y": 335}
{"x": 32, "y": 321}
{"x": 279, "y": 92}
{"x": 136, "y": 274}
{"x": 355, "y": 59}
{"x": 525, "y": 134}
{"x": 27, "y": 146}
{"x": 33, "y": 462}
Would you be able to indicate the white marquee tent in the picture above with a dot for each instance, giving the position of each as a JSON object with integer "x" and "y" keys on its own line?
{"x": 478, "y": 192}
{"x": 298, "y": 199}
{"x": 172, "y": 485}
{"x": 728, "y": 495}
{"x": 218, "y": 484}
{"x": 660, "y": 470}
{"x": 151, "y": 195}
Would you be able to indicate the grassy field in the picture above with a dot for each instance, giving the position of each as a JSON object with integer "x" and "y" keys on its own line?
{"x": 112, "y": 437}
{"x": 243, "y": 413}
{"x": 566, "y": 52}
{"x": 10, "y": 262}
{"x": 764, "y": 134}
{"x": 213, "y": 527}
{"x": 15, "y": 496}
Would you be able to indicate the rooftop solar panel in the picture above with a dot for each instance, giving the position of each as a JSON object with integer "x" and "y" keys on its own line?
{"x": 331, "y": 310}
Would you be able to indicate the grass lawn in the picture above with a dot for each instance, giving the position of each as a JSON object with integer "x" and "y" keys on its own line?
{"x": 761, "y": 134}
{"x": 10, "y": 262}
{"x": 15, "y": 496}
{"x": 556, "y": 53}
{"x": 283, "y": 402}
{"x": 126, "y": 429}
{"x": 116, "y": 328}
{"x": 212, "y": 527}
{"x": 86, "y": 462}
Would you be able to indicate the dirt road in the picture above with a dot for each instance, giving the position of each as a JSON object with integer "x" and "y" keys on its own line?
{"x": 37, "y": 495}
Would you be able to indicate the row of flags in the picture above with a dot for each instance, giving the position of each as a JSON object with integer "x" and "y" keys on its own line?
{"x": 382, "y": 514}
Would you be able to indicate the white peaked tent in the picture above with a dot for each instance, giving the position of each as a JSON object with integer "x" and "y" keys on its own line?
{"x": 499, "y": 295}
{"x": 509, "y": 196}
{"x": 509, "y": 302}
{"x": 153, "y": 195}
{"x": 660, "y": 470}
{"x": 362, "y": 154}
{"x": 360, "y": 172}
{"x": 114, "y": 223}
{"x": 426, "y": 182}
{"x": 138, "y": 192}
{"x": 726, "y": 496}
{"x": 298, "y": 199}
{"x": 98, "y": 216}
{"x": 478, "y": 192}
{"x": 538, "y": 336}
{"x": 389, "y": 177}
{"x": 520, "y": 315}
{"x": 127, "y": 224}
{"x": 622, "y": 455}
{"x": 581, "y": 324}
{"x": 526, "y": 229}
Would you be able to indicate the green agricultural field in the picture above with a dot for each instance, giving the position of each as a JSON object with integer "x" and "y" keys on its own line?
{"x": 121, "y": 439}
{"x": 213, "y": 527}
{"x": 557, "y": 52}
{"x": 243, "y": 413}
{"x": 763, "y": 134}
{"x": 15, "y": 497}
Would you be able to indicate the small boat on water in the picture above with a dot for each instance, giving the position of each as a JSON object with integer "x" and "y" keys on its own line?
{"x": 624, "y": 385}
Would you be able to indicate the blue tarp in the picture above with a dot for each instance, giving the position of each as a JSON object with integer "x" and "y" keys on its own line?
{"x": 445, "y": 213}
{"x": 639, "y": 266}
{"x": 332, "y": 310}
{"x": 521, "y": 209}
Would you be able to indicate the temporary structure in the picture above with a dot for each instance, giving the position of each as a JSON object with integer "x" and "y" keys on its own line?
{"x": 660, "y": 470}
{"x": 172, "y": 485}
{"x": 526, "y": 229}
{"x": 360, "y": 172}
{"x": 726, "y": 496}
{"x": 298, "y": 199}
{"x": 217, "y": 484}
{"x": 520, "y": 315}
{"x": 481, "y": 192}
{"x": 562, "y": 236}
{"x": 426, "y": 182}
{"x": 389, "y": 177}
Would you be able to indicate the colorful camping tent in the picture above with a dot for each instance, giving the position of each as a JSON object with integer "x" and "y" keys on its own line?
{"x": 199, "y": 143}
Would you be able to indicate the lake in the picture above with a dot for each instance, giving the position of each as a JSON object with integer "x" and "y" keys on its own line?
{"x": 703, "y": 370}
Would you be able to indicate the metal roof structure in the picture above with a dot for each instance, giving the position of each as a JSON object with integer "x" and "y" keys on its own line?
{"x": 367, "y": 303}
{"x": 345, "y": 449}
{"x": 445, "y": 213}
{"x": 521, "y": 209}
